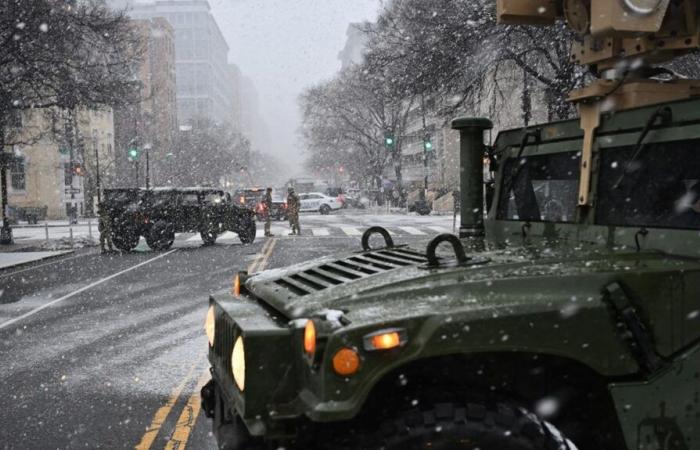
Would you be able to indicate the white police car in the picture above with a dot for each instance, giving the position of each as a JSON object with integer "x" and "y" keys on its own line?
{"x": 315, "y": 201}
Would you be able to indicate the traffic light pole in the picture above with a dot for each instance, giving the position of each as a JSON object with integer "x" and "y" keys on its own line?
{"x": 98, "y": 184}
{"x": 148, "y": 165}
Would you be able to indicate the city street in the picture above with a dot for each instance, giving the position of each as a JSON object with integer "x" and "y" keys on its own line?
{"x": 109, "y": 350}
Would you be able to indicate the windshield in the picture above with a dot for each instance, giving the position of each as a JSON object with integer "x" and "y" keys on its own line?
{"x": 540, "y": 188}
{"x": 661, "y": 188}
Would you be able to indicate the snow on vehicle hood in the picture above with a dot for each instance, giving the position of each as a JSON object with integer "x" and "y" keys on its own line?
{"x": 518, "y": 278}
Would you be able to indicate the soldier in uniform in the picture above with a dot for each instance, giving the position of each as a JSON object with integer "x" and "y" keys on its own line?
{"x": 105, "y": 228}
{"x": 267, "y": 210}
{"x": 293, "y": 211}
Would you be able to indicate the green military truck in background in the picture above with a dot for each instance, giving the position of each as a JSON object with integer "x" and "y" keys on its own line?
{"x": 568, "y": 318}
{"x": 157, "y": 214}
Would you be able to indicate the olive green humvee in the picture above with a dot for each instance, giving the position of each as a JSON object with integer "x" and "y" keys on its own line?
{"x": 568, "y": 318}
{"x": 560, "y": 322}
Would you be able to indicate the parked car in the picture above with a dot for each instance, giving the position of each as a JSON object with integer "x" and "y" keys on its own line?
{"x": 31, "y": 215}
{"x": 279, "y": 208}
{"x": 249, "y": 197}
{"x": 315, "y": 201}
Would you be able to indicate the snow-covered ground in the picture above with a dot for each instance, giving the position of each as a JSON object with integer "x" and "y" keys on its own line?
{"x": 11, "y": 259}
{"x": 342, "y": 224}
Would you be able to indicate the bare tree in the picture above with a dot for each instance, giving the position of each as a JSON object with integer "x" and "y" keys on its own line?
{"x": 60, "y": 54}
{"x": 345, "y": 121}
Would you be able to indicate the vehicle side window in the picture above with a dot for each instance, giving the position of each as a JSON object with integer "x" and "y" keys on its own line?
{"x": 660, "y": 188}
{"x": 189, "y": 199}
{"x": 541, "y": 188}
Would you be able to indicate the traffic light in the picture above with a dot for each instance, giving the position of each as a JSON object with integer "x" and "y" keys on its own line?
{"x": 78, "y": 170}
{"x": 427, "y": 144}
{"x": 133, "y": 153}
{"x": 389, "y": 141}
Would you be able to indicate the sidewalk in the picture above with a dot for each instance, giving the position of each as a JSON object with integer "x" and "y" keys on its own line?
{"x": 19, "y": 258}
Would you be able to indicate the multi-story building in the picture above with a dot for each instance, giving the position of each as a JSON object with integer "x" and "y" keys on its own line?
{"x": 58, "y": 169}
{"x": 353, "y": 52}
{"x": 204, "y": 82}
{"x": 153, "y": 121}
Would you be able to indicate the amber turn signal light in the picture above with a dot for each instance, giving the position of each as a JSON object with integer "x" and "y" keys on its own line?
{"x": 236, "y": 290}
{"x": 385, "y": 339}
{"x": 310, "y": 338}
{"x": 346, "y": 362}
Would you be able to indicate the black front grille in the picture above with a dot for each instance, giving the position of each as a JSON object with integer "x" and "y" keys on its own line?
{"x": 223, "y": 343}
{"x": 350, "y": 269}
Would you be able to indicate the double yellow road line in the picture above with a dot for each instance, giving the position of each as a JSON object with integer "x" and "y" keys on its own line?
{"x": 188, "y": 417}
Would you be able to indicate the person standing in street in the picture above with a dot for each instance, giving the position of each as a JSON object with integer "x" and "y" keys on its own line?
{"x": 293, "y": 207}
{"x": 267, "y": 211}
{"x": 104, "y": 226}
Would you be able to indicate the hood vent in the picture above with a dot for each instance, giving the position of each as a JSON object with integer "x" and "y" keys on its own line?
{"x": 353, "y": 268}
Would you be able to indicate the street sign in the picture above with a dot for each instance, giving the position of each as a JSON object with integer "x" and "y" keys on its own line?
{"x": 72, "y": 190}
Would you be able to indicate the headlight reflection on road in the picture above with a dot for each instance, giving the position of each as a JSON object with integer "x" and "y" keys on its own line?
{"x": 238, "y": 363}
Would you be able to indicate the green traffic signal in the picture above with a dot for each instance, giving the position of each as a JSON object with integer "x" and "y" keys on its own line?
{"x": 428, "y": 145}
{"x": 389, "y": 141}
{"x": 133, "y": 153}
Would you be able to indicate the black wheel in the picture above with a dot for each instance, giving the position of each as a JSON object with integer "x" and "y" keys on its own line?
{"x": 161, "y": 236}
{"x": 125, "y": 239}
{"x": 473, "y": 426}
{"x": 209, "y": 237}
{"x": 325, "y": 210}
{"x": 247, "y": 234}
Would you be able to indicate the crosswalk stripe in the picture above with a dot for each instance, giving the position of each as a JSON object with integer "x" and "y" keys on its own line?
{"x": 320, "y": 231}
{"x": 351, "y": 231}
{"x": 229, "y": 235}
{"x": 412, "y": 230}
{"x": 195, "y": 238}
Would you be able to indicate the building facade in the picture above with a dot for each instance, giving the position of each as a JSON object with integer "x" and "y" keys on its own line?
{"x": 56, "y": 166}
{"x": 205, "y": 88}
{"x": 153, "y": 121}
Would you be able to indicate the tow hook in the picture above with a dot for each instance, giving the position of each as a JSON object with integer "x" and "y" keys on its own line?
{"x": 208, "y": 395}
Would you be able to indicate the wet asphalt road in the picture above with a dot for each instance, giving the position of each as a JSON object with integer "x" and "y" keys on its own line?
{"x": 115, "y": 361}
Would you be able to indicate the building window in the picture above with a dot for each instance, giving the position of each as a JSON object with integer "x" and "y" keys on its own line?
{"x": 18, "y": 176}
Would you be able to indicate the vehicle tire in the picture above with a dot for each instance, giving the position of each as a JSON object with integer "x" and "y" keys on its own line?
{"x": 230, "y": 432}
{"x": 324, "y": 210}
{"x": 247, "y": 234}
{"x": 208, "y": 237}
{"x": 125, "y": 240}
{"x": 161, "y": 236}
{"x": 447, "y": 426}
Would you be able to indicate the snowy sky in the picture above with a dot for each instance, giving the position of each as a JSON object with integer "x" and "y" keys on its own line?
{"x": 283, "y": 46}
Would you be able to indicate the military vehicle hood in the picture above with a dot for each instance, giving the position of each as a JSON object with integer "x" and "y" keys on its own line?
{"x": 494, "y": 281}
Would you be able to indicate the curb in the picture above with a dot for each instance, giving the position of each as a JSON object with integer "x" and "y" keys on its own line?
{"x": 60, "y": 254}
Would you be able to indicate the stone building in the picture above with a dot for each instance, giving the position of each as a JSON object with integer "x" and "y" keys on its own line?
{"x": 58, "y": 170}
{"x": 153, "y": 121}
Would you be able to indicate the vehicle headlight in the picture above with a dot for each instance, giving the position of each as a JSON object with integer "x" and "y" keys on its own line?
{"x": 238, "y": 363}
{"x": 210, "y": 325}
